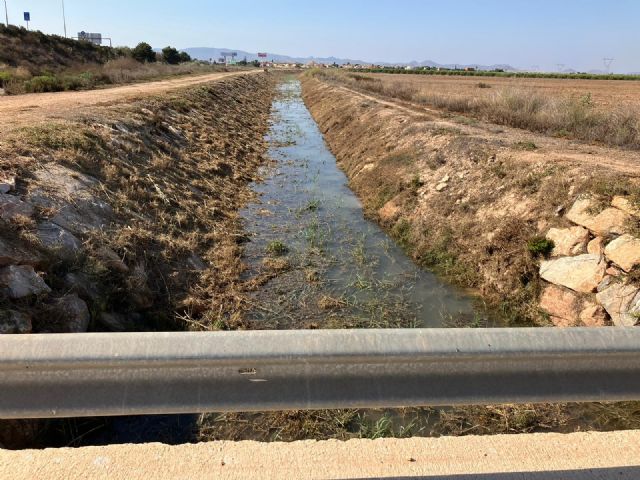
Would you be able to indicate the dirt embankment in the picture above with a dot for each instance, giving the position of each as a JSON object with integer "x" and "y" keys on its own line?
{"x": 125, "y": 219}
{"x": 484, "y": 205}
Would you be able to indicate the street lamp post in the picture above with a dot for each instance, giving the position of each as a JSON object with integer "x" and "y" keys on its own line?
{"x": 64, "y": 19}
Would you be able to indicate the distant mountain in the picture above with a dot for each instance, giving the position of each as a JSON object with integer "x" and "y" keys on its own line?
{"x": 205, "y": 53}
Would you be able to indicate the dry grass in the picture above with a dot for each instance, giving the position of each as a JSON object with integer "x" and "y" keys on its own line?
{"x": 175, "y": 170}
{"x": 563, "y": 116}
{"x": 85, "y": 77}
{"x": 32, "y": 62}
{"x": 419, "y": 422}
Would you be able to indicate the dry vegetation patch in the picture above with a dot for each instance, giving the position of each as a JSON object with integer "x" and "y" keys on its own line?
{"x": 151, "y": 190}
{"x": 572, "y": 116}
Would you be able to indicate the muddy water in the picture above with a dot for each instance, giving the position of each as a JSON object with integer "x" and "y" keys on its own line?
{"x": 318, "y": 262}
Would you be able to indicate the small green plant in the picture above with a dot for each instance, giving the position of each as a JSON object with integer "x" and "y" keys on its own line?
{"x": 381, "y": 428}
{"x": 526, "y": 145}
{"x": 416, "y": 183}
{"x": 277, "y": 248}
{"x": 313, "y": 205}
{"x": 540, "y": 246}
{"x": 499, "y": 170}
{"x": 362, "y": 283}
{"x": 402, "y": 233}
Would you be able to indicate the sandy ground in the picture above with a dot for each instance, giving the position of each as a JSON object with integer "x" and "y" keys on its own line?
{"x": 22, "y": 110}
{"x": 549, "y": 149}
{"x": 536, "y": 456}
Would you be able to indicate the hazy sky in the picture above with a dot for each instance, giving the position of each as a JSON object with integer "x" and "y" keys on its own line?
{"x": 523, "y": 33}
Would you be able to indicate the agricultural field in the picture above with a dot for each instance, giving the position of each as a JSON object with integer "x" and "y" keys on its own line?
{"x": 604, "y": 93}
{"x": 602, "y": 112}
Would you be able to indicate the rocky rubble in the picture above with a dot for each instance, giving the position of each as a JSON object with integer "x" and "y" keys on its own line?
{"x": 593, "y": 288}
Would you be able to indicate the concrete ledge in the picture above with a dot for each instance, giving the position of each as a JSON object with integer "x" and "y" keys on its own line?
{"x": 537, "y": 456}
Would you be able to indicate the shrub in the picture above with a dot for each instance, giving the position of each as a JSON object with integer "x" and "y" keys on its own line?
{"x": 525, "y": 145}
{"x": 540, "y": 246}
{"x": 170, "y": 55}
{"x": 144, "y": 53}
{"x": 43, "y": 83}
{"x": 5, "y": 77}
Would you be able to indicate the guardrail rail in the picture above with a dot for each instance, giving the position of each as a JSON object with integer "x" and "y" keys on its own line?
{"x": 46, "y": 376}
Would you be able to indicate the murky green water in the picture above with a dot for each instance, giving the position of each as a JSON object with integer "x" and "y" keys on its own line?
{"x": 328, "y": 266}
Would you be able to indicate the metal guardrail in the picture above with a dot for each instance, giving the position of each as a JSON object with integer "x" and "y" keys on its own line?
{"x": 44, "y": 376}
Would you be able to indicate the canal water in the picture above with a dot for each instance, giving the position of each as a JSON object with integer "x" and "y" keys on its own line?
{"x": 319, "y": 262}
{"x": 316, "y": 262}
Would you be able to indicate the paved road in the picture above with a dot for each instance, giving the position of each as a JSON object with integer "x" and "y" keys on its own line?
{"x": 20, "y": 110}
{"x": 524, "y": 457}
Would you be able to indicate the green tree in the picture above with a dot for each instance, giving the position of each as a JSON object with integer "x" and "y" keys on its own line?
{"x": 170, "y": 55}
{"x": 144, "y": 53}
{"x": 185, "y": 57}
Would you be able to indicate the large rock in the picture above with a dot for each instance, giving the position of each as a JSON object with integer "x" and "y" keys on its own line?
{"x": 581, "y": 274}
{"x": 596, "y": 246}
{"x": 7, "y": 184}
{"x": 84, "y": 285}
{"x": 20, "y": 281}
{"x": 64, "y": 181}
{"x": 68, "y": 314}
{"x": 110, "y": 259}
{"x": 13, "y": 253}
{"x": 622, "y": 303}
{"x": 626, "y": 205}
{"x": 624, "y": 251}
{"x": 593, "y": 315}
{"x": 12, "y": 322}
{"x": 59, "y": 241}
{"x": 11, "y": 207}
{"x": 608, "y": 222}
{"x": 69, "y": 195}
{"x": 568, "y": 241}
{"x": 562, "y": 305}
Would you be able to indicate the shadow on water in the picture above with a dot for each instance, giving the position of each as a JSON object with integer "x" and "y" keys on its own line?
{"x": 324, "y": 265}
